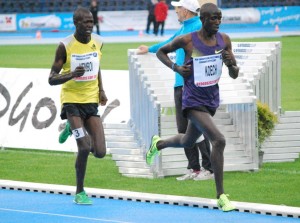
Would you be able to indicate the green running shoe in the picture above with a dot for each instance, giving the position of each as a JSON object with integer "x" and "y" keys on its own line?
{"x": 152, "y": 151}
{"x": 63, "y": 136}
{"x": 224, "y": 203}
{"x": 82, "y": 198}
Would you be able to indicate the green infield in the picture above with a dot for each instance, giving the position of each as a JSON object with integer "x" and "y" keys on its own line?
{"x": 115, "y": 58}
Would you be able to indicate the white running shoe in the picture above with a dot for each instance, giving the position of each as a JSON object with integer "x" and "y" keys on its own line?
{"x": 188, "y": 176}
{"x": 204, "y": 175}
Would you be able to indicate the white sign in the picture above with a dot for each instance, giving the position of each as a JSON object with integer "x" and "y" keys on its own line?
{"x": 207, "y": 70}
{"x": 30, "y": 108}
{"x": 8, "y": 22}
{"x": 46, "y": 21}
{"x": 90, "y": 62}
{"x": 133, "y": 20}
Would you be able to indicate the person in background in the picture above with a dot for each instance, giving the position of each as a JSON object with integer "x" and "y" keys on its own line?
{"x": 187, "y": 13}
{"x": 77, "y": 68}
{"x": 151, "y": 16}
{"x": 205, "y": 52}
{"x": 161, "y": 13}
{"x": 94, "y": 10}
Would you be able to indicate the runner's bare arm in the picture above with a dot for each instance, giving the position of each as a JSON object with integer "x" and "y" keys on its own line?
{"x": 102, "y": 95}
{"x": 178, "y": 42}
{"x": 55, "y": 78}
{"x": 229, "y": 59}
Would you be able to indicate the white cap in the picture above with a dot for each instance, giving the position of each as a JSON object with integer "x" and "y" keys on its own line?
{"x": 191, "y": 5}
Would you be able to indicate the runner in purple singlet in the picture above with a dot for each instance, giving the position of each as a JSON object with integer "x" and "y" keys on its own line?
{"x": 205, "y": 52}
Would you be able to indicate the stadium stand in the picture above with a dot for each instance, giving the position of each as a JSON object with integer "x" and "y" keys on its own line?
{"x": 42, "y": 6}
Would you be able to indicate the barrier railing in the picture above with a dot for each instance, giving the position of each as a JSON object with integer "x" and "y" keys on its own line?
{"x": 152, "y": 105}
{"x": 266, "y": 82}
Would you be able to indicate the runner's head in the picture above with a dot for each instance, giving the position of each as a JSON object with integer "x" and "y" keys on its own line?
{"x": 210, "y": 16}
{"x": 83, "y": 21}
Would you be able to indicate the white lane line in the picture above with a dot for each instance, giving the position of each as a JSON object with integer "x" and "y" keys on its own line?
{"x": 62, "y": 215}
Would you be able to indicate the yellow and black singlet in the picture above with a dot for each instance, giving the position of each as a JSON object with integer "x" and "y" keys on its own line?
{"x": 82, "y": 89}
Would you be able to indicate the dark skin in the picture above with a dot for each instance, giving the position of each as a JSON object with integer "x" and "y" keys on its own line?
{"x": 199, "y": 121}
{"x": 94, "y": 141}
{"x": 207, "y": 34}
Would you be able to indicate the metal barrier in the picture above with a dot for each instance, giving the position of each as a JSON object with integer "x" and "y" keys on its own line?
{"x": 152, "y": 111}
{"x": 152, "y": 103}
{"x": 267, "y": 82}
{"x": 144, "y": 110}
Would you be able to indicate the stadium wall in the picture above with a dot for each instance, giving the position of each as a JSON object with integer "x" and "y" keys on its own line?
{"x": 235, "y": 18}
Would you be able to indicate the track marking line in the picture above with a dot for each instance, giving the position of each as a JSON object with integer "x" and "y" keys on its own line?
{"x": 62, "y": 215}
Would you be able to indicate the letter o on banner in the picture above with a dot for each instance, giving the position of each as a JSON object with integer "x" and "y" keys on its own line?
{"x": 44, "y": 102}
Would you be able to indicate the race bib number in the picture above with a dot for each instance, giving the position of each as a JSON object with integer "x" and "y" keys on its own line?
{"x": 78, "y": 133}
{"x": 90, "y": 62}
{"x": 207, "y": 70}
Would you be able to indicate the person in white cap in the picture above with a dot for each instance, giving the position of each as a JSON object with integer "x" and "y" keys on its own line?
{"x": 191, "y": 5}
{"x": 187, "y": 12}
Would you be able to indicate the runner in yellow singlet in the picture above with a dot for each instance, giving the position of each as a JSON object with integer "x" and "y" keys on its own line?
{"x": 77, "y": 68}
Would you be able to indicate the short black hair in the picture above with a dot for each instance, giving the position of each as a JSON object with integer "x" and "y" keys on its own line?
{"x": 206, "y": 9}
{"x": 79, "y": 12}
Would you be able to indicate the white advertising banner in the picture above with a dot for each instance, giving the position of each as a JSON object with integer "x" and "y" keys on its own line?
{"x": 235, "y": 18}
{"x": 38, "y": 22}
{"x": 30, "y": 108}
{"x": 132, "y": 20}
{"x": 8, "y": 22}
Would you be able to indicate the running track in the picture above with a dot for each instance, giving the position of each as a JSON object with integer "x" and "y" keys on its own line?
{"x": 33, "y": 203}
